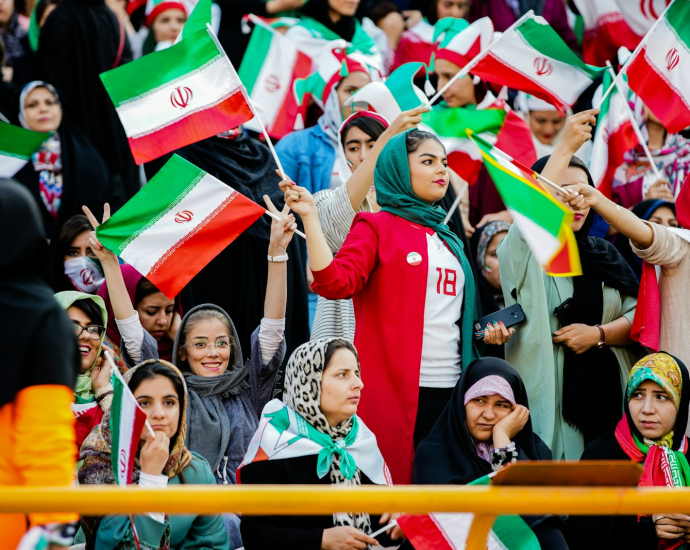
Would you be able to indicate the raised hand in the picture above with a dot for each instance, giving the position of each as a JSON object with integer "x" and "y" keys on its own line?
{"x": 282, "y": 230}
{"x": 513, "y": 423}
{"x": 578, "y": 130}
{"x": 100, "y": 251}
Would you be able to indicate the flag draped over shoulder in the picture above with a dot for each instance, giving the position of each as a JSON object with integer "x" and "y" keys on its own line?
{"x": 494, "y": 121}
{"x": 614, "y": 135}
{"x": 126, "y": 424}
{"x": 16, "y": 147}
{"x": 449, "y": 531}
{"x": 269, "y": 70}
{"x": 177, "y": 223}
{"x": 544, "y": 222}
{"x": 659, "y": 72}
{"x": 181, "y": 95}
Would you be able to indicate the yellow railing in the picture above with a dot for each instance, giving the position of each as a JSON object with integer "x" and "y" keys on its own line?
{"x": 486, "y": 502}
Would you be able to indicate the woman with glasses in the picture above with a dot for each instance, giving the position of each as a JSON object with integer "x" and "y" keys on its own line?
{"x": 226, "y": 394}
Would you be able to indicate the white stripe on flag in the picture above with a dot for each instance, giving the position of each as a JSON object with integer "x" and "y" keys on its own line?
{"x": 659, "y": 48}
{"x": 542, "y": 243}
{"x": 127, "y": 414}
{"x": 201, "y": 89}
{"x": 9, "y": 166}
{"x": 149, "y": 246}
{"x": 380, "y": 98}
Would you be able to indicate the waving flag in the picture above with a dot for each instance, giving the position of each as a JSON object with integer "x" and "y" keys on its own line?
{"x": 177, "y": 96}
{"x": 198, "y": 19}
{"x": 494, "y": 121}
{"x": 659, "y": 72}
{"x": 126, "y": 423}
{"x": 544, "y": 222}
{"x": 269, "y": 70}
{"x": 531, "y": 57}
{"x": 177, "y": 223}
{"x": 16, "y": 147}
{"x": 614, "y": 135}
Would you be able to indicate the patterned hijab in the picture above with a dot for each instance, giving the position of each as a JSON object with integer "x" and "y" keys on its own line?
{"x": 302, "y": 393}
{"x": 96, "y": 451}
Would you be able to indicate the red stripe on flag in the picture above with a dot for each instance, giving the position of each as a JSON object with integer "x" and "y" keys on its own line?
{"x": 515, "y": 138}
{"x": 230, "y": 113}
{"x": 138, "y": 426}
{"x": 601, "y": 44}
{"x": 618, "y": 143}
{"x": 662, "y": 98}
{"x": 683, "y": 204}
{"x": 287, "y": 115}
{"x": 423, "y": 533}
{"x": 494, "y": 70}
{"x": 465, "y": 166}
{"x": 178, "y": 266}
{"x": 646, "y": 327}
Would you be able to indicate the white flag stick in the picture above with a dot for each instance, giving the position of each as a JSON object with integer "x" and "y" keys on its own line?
{"x": 636, "y": 129}
{"x": 384, "y": 529}
{"x": 632, "y": 56}
{"x": 456, "y": 202}
{"x": 467, "y": 68}
{"x": 251, "y": 105}
{"x": 276, "y": 217}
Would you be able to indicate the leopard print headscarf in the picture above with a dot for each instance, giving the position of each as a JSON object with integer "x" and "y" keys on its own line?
{"x": 302, "y": 393}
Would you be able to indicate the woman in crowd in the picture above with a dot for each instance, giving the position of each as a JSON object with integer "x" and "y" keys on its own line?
{"x": 40, "y": 365}
{"x": 662, "y": 324}
{"x": 546, "y": 124}
{"x": 11, "y": 33}
{"x": 66, "y": 171}
{"x": 485, "y": 427}
{"x": 163, "y": 460}
{"x": 485, "y": 243}
{"x": 327, "y": 20}
{"x": 165, "y": 19}
{"x": 654, "y": 211}
{"x": 635, "y": 181}
{"x": 310, "y": 156}
{"x": 413, "y": 292}
{"x": 322, "y": 392}
{"x": 74, "y": 265}
{"x": 558, "y": 358}
{"x": 650, "y": 433}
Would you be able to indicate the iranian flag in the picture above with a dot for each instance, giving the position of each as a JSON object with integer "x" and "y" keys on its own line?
{"x": 127, "y": 420}
{"x": 450, "y": 531}
{"x": 544, "y": 222}
{"x": 658, "y": 71}
{"x": 269, "y": 69}
{"x": 198, "y": 19}
{"x": 177, "y": 223}
{"x": 16, "y": 147}
{"x": 397, "y": 94}
{"x": 614, "y": 135}
{"x": 493, "y": 120}
{"x": 531, "y": 57}
{"x": 174, "y": 97}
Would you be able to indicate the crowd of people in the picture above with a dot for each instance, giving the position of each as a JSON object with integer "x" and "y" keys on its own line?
{"x": 361, "y": 340}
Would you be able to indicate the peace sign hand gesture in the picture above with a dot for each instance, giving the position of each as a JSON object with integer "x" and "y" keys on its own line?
{"x": 101, "y": 252}
{"x": 282, "y": 230}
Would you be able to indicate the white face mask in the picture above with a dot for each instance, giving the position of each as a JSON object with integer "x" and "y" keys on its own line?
{"x": 85, "y": 273}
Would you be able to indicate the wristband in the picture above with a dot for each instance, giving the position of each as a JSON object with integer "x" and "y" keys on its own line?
{"x": 278, "y": 259}
{"x": 602, "y": 337}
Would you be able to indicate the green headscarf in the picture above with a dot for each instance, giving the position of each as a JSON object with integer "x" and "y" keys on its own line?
{"x": 394, "y": 194}
{"x": 83, "y": 388}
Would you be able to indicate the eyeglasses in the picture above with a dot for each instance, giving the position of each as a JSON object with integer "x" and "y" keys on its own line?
{"x": 94, "y": 331}
{"x": 202, "y": 345}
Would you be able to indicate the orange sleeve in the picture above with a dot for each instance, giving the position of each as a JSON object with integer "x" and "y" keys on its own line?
{"x": 44, "y": 442}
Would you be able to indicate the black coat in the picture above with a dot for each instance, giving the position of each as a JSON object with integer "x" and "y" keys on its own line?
{"x": 290, "y": 532}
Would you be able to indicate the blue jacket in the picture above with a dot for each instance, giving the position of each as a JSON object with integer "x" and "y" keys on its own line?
{"x": 307, "y": 157}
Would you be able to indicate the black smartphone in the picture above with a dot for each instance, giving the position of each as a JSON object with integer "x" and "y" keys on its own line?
{"x": 569, "y": 313}
{"x": 510, "y": 316}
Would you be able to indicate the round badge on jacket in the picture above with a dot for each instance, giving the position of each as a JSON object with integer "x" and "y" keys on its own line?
{"x": 414, "y": 258}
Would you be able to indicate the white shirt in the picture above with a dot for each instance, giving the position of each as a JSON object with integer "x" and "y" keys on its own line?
{"x": 441, "y": 360}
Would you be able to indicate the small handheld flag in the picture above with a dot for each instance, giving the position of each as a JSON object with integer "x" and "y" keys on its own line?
{"x": 16, "y": 147}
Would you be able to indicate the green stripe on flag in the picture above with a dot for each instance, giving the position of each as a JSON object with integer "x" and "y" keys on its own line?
{"x": 544, "y": 39}
{"x": 152, "y": 71}
{"x": 198, "y": 19}
{"x": 257, "y": 51}
{"x": 455, "y": 121}
{"x": 400, "y": 83}
{"x": 149, "y": 204}
{"x": 521, "y": 195}
{"x": 678, "y": 16}
{"x": 115, "y": 414}
{"x": 18, "y": 142}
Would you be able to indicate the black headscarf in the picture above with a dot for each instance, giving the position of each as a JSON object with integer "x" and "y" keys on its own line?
{"x": 448, "y": 454}
{"x": 318, "y": 9}
{"x": 601, "y": 262}
{"x": 37, "y": 340}
{"x": 643, "y": 210}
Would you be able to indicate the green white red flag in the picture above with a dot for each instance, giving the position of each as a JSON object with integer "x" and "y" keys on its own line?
{"x": 127, "y": 421}
{"x": 530, "y": 57}
{"x": 177, "y": 223}
{"x": 614, "y": 135}
{"x": 659, "y": 71}
{"x": 269, "y": 70}
{"x": 198, "y": 19}
{"x": 544, "y": 222}
{"x": 174, "y": 97}
{"x": 494, "y": 121}
{"x": 16, "y": 147}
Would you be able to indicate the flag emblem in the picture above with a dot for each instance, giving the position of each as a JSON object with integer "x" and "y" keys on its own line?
{"x": 181, "y": 96}
{"x": 542, "y": 66}
{"x": 184, "y": 216}
{"x": 672, "y": 59}
{"x": 86, "y": 276}
{"x": 414, "y": 258}
{"x": 272, "y": 83}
